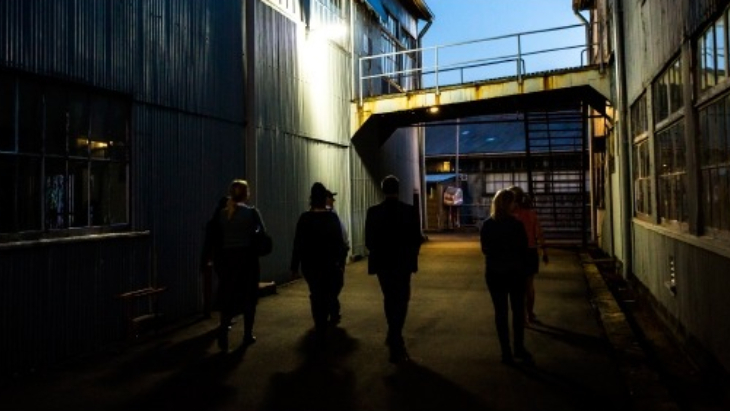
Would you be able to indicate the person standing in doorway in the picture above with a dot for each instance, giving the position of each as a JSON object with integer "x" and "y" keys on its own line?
{"x": 335, "y": 314}
{"x": 504, "y": 244}
{"x": 393, "y": 237}
{"x": 237, "y": 263}
{"x": 525, "y": 213}
{"x": 318, "y": 249}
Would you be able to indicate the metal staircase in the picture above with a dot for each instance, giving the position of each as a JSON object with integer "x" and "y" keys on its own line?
{"x": 557, "y": 161}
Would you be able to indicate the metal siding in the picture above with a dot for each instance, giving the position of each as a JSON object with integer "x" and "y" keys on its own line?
{"x": 59, "y": 300}
{"x": 181, "y": 62}
{"x": 298, "y": 142}
{"x": 183, "y": 166}
{"x": 184, "y": 54}
{"x": 702, "y": 288}
{"x": 655, "y": 31}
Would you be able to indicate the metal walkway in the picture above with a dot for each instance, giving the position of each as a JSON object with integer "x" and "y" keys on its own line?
{"x": 500, "y": 75}
{"x": 486, "y": 76}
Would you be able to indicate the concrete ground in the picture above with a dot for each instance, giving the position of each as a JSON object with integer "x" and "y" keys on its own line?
{"x": 449, "y": 333}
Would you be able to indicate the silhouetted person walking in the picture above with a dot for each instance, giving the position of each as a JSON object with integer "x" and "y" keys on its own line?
{"x": 393, "y": 237}
{"x": 236, "y": 262}
{"x": 318, "y": 248}
{"x": 504, "y": 243}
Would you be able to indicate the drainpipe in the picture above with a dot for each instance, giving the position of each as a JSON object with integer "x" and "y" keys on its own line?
{"x": 353, "y": 71}
{"x": 420, "y": 46}
{"x": 422, "y": 134}
{"x": 588, "y": 34}
{"x": 624, "y": 152}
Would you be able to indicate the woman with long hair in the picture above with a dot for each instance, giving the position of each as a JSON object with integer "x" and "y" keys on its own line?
{"x": 237, "y": 263}
{"x": 528, "y": 217}
{"x": 504, "y": 244}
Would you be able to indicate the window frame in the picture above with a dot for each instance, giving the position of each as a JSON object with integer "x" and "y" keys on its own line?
{"x": 56, "y": 137}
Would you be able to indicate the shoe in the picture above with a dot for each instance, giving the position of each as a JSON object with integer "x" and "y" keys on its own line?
{"x": 524, "y": 355}
{"x": 249, "y": 339}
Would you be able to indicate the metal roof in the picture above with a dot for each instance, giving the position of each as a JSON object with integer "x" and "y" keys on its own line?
{"x": 502, "y": 133}
{"x": 495, "y": 134}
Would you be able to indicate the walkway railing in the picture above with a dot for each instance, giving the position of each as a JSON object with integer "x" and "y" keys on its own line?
{"x": 508, "y": 55}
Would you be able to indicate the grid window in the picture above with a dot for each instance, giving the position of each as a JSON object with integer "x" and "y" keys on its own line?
{"x": 672, "y": 174}
{"x": 668, "y": 88}
{"x": 715, "y": 164}
{"x": 63, "y": 157}
{"x": 642, "y": 177}
{"x": 712, "y": 49}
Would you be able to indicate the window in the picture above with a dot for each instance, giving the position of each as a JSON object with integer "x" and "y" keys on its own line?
{"x": 408, "y": 61}
{"x": 672, "y": 174}
{"x": 642, "y": 177}
{"x": 390, "y": 62}
{"x": 642, "y": 172}
{"x": 327, "y": 12}
{"x": 668, "y": 88}
{"x": 715, "y": 164}
{"x": 290, "y": 6}
{"x": 712, "y": 57}
{"x": 63, "y": 156}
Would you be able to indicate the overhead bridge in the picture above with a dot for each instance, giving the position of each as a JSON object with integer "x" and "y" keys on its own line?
{"x": 555, "y": 105}
{"x": 458, "y": 88}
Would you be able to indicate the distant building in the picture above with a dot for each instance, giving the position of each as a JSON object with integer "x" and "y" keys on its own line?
{"x": 495, "y": 153}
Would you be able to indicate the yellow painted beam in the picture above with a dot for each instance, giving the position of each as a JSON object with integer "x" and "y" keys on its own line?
{"x": 421, "y": 99}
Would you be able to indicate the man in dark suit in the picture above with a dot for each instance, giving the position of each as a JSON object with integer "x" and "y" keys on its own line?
{"x": 393, "y": 237}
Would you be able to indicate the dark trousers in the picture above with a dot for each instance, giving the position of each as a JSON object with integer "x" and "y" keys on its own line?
{"x": 238, "y": 286}
{"x": 324, "y": 286}
{"x": 396, "y": 287}
{"x": 508, "y": 288}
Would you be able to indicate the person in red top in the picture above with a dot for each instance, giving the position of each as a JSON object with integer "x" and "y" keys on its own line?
{"x": 527, "y": 215}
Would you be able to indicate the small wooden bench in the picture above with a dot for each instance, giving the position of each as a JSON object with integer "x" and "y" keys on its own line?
{"x": 134, "y": 320}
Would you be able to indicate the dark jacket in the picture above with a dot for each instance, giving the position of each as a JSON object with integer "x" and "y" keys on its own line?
{"x": 318, "y": 243}
{"x": 504, "y": 243}
{"x": 393, "y": 237}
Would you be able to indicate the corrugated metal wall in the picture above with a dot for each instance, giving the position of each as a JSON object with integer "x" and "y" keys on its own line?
{"x": 654, "y": 32}
{"x": 302, "y": 103}
{"x": 186, "y": 163}
{"x": 180, "y": 61}
{"x": 302, "y": 130}
{"x": 701, "y": 280}
{"x": 59, "y": 300}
